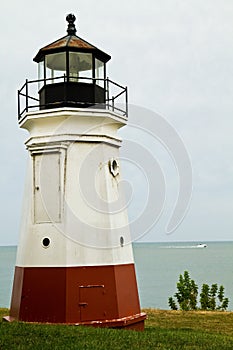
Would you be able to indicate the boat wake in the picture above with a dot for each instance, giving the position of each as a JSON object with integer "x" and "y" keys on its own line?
{"x": 197, "y": 246}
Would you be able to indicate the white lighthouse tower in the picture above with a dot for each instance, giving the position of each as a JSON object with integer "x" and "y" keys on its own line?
{"x": 74, "y": 261}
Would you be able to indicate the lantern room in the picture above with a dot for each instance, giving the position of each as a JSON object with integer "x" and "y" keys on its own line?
{"x": 71, "y": 72}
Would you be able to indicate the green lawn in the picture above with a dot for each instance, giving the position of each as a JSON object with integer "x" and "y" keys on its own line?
{"x": 164, "y": 330}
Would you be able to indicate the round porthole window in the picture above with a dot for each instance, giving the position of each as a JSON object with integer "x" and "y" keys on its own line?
{"x": 113, "y": 167}
{"x": 46, "y": 242}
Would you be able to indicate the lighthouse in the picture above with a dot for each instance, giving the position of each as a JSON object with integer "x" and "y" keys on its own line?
{"x": 74, "y": 260}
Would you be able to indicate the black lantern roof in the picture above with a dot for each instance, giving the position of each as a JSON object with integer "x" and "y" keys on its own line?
{"x": 71, "y": 42}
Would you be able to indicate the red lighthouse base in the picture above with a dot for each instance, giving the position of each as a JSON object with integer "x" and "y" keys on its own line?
{"x": 103, "y": 296}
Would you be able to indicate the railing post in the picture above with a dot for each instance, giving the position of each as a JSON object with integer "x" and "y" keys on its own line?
{"x": 107, "y": 90}
{"x": 94, "y": 90}
{"x": 18, "y": 105}
{"x": 26, "y": 95}
{"x": 113, "y": 103}
{"x": 126, "y": 101}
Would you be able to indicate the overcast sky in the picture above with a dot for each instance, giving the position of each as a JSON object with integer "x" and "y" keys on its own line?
{"x": 176, "y": 57}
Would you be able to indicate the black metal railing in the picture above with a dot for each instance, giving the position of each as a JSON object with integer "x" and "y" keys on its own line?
{"x": 116, "y": 96}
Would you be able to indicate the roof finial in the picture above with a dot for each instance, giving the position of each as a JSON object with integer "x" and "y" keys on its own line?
{"x": 71, "y": 30}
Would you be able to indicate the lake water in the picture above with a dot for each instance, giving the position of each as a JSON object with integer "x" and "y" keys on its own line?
{"x": 158, "y": 266}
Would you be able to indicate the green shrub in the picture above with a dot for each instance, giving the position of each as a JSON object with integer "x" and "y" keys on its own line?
{"x": 211, "y": 298}
{"x": 186, "y": 295}
{"x": 204, "y": 297}
{"x": 172, "y": 304}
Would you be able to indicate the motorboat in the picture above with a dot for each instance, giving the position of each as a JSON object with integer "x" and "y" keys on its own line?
{"x": 201, "y": 245}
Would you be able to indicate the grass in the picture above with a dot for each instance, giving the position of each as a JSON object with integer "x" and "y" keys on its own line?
{"x": 164, "y": 330}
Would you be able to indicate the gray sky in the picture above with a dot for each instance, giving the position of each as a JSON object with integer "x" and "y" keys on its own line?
{"x": 175, "y": 56}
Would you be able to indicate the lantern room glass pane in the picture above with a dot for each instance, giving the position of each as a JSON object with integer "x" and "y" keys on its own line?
{"x": 99, "y": 72}
{"x": 40, "y": 74}
{"x": 80, "y": 67}
{"x": 55, "y": 67}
